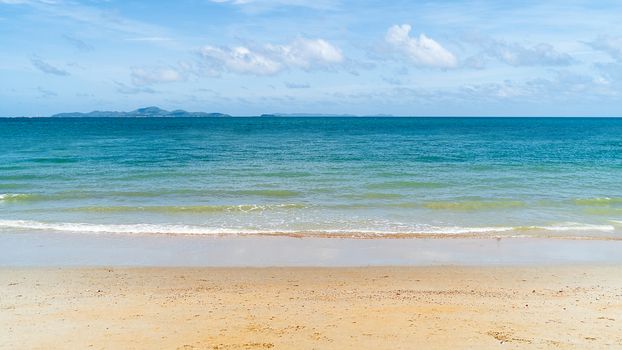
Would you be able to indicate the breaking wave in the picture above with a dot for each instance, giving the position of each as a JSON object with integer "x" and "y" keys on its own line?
{"x": 565, "y": 231}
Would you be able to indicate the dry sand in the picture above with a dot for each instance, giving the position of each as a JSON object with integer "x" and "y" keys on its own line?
{"x": 571, "y": 307}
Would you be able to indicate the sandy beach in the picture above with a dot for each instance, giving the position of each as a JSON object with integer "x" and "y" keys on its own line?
{"x": 564, "y": 307}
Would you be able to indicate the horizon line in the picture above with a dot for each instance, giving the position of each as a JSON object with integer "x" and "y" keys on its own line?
{"x": 311, "y": 115}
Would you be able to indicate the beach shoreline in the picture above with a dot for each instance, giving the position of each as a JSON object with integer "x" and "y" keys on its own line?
{"x": 437, "y": 307}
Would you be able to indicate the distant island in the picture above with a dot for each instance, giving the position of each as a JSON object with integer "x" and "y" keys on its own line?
{"x": 146, "y": 112}
{"x": 304, "y": 115}
{"x": 157, "y": 112}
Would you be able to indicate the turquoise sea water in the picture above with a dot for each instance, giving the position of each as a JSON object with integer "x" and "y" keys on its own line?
{"x": 315, "y": 176}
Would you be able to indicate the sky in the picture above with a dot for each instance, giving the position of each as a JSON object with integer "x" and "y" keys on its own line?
{"x": 363, "y": 57}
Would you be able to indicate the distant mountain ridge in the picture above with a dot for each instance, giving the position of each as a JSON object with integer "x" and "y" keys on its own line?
{"x": 146, "y": 112}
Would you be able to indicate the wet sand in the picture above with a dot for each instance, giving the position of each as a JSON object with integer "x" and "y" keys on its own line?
{"x": 555, "y": 307}
{"x": 65, "y": 249}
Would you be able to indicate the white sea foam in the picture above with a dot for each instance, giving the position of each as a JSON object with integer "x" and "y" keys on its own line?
{"x": 12, "y": 196}
{"x": 577, "y": 227}
{"x": 179, "y": 229}
{"x": 116, "y": 228}
{"x": 457, "y": 230}
{"x": 204, "y": 230}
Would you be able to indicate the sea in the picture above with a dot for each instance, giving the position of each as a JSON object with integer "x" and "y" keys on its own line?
{"x": 366, "y": 177}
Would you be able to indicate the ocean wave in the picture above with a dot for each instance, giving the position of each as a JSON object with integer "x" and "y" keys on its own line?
{"x": 607, "y": 211}
{"x": 571, "y": 226}
{"x": 598, "y": 201}
{"x": 10, "y": 197}
{"x": 269, "y": 193}
{"x": 112, "y": 228}
{"x": 77, "y": 194}
{"x": 198, "y": 209}
{"x": 404, "y": 184}
{"x": 374, "y": 195}
{"x": 31, "y": 197}
{"x": 473, "y": 205}
{"x": 559, "y": 231}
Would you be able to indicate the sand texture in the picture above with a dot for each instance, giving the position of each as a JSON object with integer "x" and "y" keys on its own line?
{"x": 571, "y": 307}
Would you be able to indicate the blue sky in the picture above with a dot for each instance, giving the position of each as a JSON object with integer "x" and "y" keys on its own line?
{"x": 247, "y": 57}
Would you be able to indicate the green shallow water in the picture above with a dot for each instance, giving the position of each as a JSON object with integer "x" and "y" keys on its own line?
{"x": 365, "y": 176}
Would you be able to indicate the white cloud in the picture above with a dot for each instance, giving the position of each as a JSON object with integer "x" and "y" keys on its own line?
{"x": 146, "y": 76}
{"x": 240, "y": 60}
{"x": 609, "y": 44}
{"x": 516, "y": 54}
{"x": 422, "y": 51}
{"x": 306, "y": 54}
